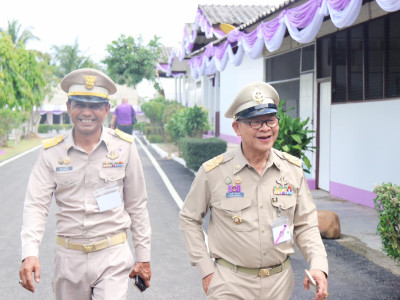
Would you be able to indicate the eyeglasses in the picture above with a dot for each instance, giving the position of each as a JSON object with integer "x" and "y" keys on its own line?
{"x": 257, "y": 124}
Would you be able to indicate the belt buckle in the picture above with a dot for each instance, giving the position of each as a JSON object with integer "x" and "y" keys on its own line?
{"x": 264, "y": 272}
{"x": 89, "y": 247}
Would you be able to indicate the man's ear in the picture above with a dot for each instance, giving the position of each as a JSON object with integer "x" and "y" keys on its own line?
{"x": 235, "y": 126}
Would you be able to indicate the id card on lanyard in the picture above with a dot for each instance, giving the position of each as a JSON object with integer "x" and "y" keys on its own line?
{"x": 281, "y": 230}
{"x": 108, "y": 198}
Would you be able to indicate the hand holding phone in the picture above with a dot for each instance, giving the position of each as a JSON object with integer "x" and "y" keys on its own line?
{"x": 139, "y": 283}
{"x": 312, "y": 281}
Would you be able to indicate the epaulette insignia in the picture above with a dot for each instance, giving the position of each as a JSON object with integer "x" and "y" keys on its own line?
{"x": 52, "y": 142}
{"x": 124, "y": 136}
{"x": 293, "y": 159}
{"x": 212, "y": 163}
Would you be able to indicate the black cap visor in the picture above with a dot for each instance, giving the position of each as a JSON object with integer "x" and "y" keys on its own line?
{"x": 258, "y": 110}
{"x": 88, "y": 99}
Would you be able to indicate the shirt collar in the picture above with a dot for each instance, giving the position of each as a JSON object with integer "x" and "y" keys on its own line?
{"x": 240, "y": 161}
{"x": 104, "y": 137}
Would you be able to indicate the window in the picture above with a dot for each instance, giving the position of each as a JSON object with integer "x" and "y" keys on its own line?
{"x": 392, "y": 86}
{"x": 307, "y": 58}
{"x": 289, "y": 91}
{"x": 363, "y": 61}
{"x": 285, "y": 66}
{"x": 339, "y": 63}
{"x": 374, "y": 60}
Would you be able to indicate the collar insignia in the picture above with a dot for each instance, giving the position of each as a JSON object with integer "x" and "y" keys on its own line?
{"x": 112, "y": 155}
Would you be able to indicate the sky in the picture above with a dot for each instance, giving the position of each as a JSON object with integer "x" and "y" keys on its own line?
{"x": 96, "y": 23}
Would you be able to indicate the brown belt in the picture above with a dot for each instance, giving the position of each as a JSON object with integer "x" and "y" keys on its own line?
{"x": 96, "y": 246}
{"x": 262, "y": 272}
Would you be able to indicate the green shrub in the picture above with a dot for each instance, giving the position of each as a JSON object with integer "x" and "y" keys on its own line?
{"x": 45, "y": 128}
{"x": 141, "y": 126}
{"x": 154, "y": 109}
{"x": 387, "y": 203}
{"x": 155, "y": 139}
{"x": 294, "y": 136}
{"x": 176, "y": 125}
{"x": 196, "y": 151}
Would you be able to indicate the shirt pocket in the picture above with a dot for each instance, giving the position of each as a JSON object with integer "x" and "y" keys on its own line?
{"x": 66, "y": 179}
{"x": 112, "y": 176}
{"x": 236, "y": 213}
{"x": 286, "y": 205}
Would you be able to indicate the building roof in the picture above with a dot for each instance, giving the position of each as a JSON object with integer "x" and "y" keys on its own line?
{"x": 232, "y": 14}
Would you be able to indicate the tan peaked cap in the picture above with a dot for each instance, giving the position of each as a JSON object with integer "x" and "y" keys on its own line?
{"x": 88, "y": 82}
{"x": 252, "y": 95}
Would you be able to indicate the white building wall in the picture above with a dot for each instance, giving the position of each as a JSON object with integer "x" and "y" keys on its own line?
{"x": 232, "y": 80}
{"x": 365, "y": 143}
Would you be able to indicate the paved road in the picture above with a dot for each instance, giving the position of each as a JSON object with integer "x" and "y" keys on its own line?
{"x": 351, "y": 275}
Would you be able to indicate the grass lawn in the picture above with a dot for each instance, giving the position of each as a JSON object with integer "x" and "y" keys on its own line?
{"x": 12, "y": 150}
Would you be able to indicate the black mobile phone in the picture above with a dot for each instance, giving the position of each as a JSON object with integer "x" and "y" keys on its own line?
{"x": 139, "y": 283}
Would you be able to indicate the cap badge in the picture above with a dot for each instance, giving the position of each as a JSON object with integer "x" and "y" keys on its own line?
{"x": 258, "y": 96}
{"x": 89, "y": 81}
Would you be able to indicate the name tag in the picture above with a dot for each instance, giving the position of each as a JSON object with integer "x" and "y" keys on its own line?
{"x": 63, "y": 169}
{"x": 108, "y": 198}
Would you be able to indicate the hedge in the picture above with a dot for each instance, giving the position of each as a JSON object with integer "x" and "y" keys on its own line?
{"x": 196, "y": 151}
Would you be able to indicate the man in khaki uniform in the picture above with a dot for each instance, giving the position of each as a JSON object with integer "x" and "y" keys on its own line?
{"x": 95, "y": 175}
{"x": 259, "y": 202}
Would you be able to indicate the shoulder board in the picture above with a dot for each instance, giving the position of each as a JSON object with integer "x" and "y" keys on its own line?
{"x": 213, "y": 163}
{"x": 293, "y": 159}
{"x": 48, "y": 143}
{"x": 124, "y": 136}
{"x": 216, "y": 161}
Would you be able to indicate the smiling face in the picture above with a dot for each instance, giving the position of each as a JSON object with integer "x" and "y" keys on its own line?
{"x": 87, "y": 117}
{"x": 257, "y": 142}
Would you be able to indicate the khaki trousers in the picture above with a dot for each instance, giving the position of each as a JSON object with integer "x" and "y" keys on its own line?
{"x": 228, "y": 284}
{"x": 97, "y": 275}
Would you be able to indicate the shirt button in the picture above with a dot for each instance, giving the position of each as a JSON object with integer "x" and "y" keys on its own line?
{"x": 265, "y": 253}
{"x": 261, "y": 206}
{"x": 262, "y": 230}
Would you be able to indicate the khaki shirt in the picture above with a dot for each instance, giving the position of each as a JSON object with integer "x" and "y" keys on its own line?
{"x": 250, "y": 243}
{"x": 68, "y": 173}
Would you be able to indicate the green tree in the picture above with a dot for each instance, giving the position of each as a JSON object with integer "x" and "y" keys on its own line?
{"x": 129, "y": 61}
{"x": 68, "y": 58}
{"x": 9, "y": 72}
{"x": 22, "y": 84}
{"x": 18, "y": 37}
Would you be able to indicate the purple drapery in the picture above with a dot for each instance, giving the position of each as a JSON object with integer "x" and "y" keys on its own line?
{"x": 302, "y": 15}
{"x": 307, "y": 17}
{"x": 338, "y": 4}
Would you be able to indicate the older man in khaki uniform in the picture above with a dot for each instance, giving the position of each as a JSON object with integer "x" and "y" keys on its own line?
{"x": 259, "y": 202}
{"x": 96, "y": 178}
